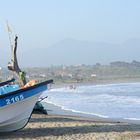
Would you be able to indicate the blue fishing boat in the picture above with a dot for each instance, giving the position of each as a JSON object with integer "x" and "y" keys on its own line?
{"x": 16, "y": 106}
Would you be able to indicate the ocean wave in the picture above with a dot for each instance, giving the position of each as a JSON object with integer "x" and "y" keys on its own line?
{"x": 120, "y": 88}
{"x": 121, "y": 100}
{"x": 75, "y": 111}
{"x": 134, "y": 119}
{"x": 87, "y": 113}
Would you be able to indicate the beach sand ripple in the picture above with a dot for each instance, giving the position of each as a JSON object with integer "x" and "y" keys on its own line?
{"x": 46, "y": 127}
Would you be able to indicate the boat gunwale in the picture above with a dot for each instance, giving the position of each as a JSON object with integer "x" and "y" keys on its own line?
{"x": 6, "y": 82}
{"x": 26, "y": 89}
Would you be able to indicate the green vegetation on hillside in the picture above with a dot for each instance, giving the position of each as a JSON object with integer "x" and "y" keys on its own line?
{"x": 114, "y": 72}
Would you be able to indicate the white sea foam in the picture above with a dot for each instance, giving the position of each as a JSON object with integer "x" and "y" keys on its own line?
{"x": 86, "y": 113}
{"x": 135, "y": 119}
{"x": 110, "y": 100}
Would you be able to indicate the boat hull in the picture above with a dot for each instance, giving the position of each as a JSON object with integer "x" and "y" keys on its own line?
{"x": 16, "y": 108}
{"x": 16, "y": 116}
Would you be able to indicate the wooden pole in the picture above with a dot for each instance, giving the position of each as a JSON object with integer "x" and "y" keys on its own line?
{"x": 13, "y": 65}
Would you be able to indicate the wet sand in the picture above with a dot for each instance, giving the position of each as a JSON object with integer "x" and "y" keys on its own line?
{"x": 51, "y": 127}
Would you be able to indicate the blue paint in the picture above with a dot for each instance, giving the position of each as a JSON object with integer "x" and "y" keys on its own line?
{"x": 11, "y": 99}
{"x": 8, "y": 88}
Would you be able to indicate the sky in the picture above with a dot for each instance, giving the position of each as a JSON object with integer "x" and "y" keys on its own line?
{"x": 45, "y": 22}
{"x": 49, "y": 21}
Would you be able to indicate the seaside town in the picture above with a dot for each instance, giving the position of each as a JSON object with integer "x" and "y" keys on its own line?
{"x": 98, "y": 73}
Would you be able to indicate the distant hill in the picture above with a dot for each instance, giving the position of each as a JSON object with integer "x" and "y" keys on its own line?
{"x": 74, "y": 52}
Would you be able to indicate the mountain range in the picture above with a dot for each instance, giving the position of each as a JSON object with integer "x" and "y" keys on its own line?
{"x": 74, "y": 52}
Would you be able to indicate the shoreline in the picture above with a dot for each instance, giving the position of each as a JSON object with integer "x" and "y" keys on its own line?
{"x": 53, "y": 109}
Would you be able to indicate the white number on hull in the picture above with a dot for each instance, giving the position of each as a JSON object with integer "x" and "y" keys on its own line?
{"x": 14, "y": 99}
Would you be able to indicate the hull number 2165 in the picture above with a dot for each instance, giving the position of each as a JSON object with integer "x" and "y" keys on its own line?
{"x": 14, "y": 99}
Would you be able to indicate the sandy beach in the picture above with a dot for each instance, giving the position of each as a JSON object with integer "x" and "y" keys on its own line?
{"x": 51, "y": 127}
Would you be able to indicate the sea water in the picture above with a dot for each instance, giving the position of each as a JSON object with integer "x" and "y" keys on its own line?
{"x": 107, "y": 101}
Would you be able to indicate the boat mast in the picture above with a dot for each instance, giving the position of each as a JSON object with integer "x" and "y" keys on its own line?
{"x": 13, "y": 65}
{"x": 9, "y": 34}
